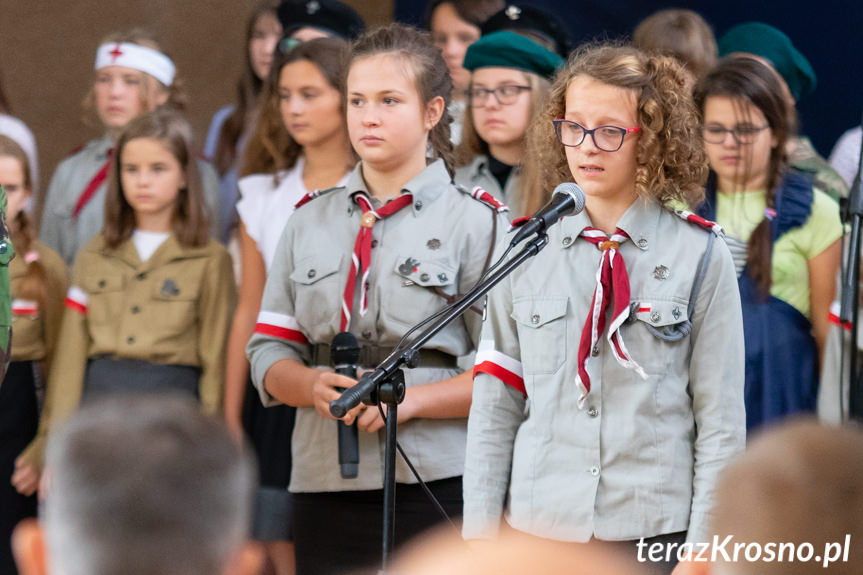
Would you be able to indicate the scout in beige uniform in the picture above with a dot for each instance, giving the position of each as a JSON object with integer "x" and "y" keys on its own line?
{"x": 132, "y": 77}
{"x": 36, "y": 284}
{"x": 352, "y": 261}
{"x": 151, "y": 297}
{"x": 611, "y": 419}
{"x": 510, "y": 75}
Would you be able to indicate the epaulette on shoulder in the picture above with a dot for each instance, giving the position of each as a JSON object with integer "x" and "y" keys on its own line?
{"x": 484, "y": 197}
{"x": 693, "y": 218}
{"x": 75, "y": 150}
{"x": 312, "y": 195}
{"x": 517, "y": 223}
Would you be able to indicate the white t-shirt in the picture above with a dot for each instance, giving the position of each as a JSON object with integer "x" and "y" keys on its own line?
{"x": 264, "y": 209}
{"x": 148, "y": 242}
{"x": 845, "y": 157}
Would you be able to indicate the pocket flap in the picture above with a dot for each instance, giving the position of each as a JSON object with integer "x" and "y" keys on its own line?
{"x": 100, "y": 283}
{"x": 428, "y": 273}
{"x": 314, "y": 268}
{"x": 661, "y": 313}
{"x": 176, "y": 288}
{"x": 538, "y": 311}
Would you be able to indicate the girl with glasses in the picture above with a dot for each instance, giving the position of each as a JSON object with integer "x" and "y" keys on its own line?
{"x": 608, "y": 389}
{"x": 510, "y": 76}
{"x": 783, "y": 234}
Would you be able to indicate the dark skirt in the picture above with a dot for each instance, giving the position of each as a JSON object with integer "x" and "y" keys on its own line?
{"x": 106, "y": 375}
{"x": 19, "y": 420}
{"x": 340, "y": 532}
{"x": 269, "y": 430}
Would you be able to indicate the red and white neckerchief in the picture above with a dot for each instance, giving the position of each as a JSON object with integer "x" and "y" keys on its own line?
{"x": 610, "y": 276}
{"x": 362, "y": 255}
{"x": 93, "y": 186}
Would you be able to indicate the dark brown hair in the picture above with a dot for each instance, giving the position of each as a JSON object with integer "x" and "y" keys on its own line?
{"x": 431, "y": 75}
{"x": 177, "y": 98}
{"x": 747, "y": 81}
{"x": 671, "y": 162}
{"x": 32, "y": 285}
{"x": 190, "y": 223}
{"x": 682, "y": 34}
{"x": 474, "y": 12}
{"x": 4, "y": 101}
{"x": 271, "y": 148}
{"x": 249, "y": 88}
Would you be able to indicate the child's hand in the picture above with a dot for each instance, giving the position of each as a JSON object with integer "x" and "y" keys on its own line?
{"x": 327, "y": 387}
{"x": 25, "y": 478}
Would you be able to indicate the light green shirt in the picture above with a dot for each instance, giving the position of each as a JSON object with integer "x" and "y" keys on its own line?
{"x": 740, "y": 213}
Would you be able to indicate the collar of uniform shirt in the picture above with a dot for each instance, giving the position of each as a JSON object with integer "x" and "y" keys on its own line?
{"x": 425, "y": 187}
{"x": 639, "y": 221}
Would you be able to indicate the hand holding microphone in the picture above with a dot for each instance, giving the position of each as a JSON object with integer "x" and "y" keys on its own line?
{"x": 345, "y": 353}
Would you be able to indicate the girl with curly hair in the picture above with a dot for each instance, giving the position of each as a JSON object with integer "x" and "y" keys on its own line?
{"x": 578, "y": 431}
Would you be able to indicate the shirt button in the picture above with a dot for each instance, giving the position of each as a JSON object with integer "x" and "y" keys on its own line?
{"x": 374, "y": 243}
{"x": 130, "y": 340}
{"x": 593, "y": 412}
{"x": 142, "y": 276}
{"x": 534, "y": 319}
{"x": 312, "y": 273}
{"x": 367, "y": 334}
{"x": 655, "y": 316}
{"x": 595, "y": 351}
{"x": 424, "y": 277}
{"x": 135, "y": 309}
{"x": 102, "y": 283}
{"x": 418, "y": 205}
{"x": 567, "y": 240}
{"x": 594, "y": 471}
{"x": 642, "y": 243}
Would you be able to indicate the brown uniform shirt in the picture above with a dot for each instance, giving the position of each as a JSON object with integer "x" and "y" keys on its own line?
{"x": 37, "y": 326}
{"x": 175, "y": 308}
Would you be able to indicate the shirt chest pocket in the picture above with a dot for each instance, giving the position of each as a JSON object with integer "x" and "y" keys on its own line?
{"x": 657, "y": 333}
{"x": 541, "y": 324}
{"x": 317, "y": 288}
{"x": 105, "y": 297}
{"x": 174, "y": 299}
{"x": 418, "y": 289}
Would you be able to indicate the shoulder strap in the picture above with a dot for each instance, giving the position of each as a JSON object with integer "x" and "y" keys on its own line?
{"x": 312, "y": 195}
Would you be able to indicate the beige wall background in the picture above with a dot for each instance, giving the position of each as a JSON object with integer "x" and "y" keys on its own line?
{"x": 47, "y": 48}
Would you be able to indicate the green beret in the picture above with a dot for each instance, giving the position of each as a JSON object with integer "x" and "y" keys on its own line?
{"x": 771, "y": 44}
{"x": 510, "y": 50}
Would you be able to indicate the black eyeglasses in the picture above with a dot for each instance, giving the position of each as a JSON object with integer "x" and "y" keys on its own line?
{"x": 606, "y": 138}
{"x": 742, "y": 133}
{"x": 505, "y": 95}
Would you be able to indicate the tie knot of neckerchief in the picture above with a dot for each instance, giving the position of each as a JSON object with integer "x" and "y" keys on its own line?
{"x": 611, "y": 278}
{"x": 362, "y": 255}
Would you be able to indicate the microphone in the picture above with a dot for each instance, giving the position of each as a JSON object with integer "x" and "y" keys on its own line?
{"x": 567, "y": 200}
{"x": 345, "y": 353}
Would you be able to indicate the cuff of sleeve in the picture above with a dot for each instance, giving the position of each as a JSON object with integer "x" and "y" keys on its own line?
{"x": 699, "y": 525}
{"x": 264, "y": 360}
{"x": 480, "y": 522}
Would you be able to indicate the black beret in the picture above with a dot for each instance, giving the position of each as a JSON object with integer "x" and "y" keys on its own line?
{"x": 329, "y": 15}
{"x": 532, "y": 20}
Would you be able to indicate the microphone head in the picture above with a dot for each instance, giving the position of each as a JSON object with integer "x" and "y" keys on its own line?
{"x": 345, "y": 350}
{"x": 575, "y": 192}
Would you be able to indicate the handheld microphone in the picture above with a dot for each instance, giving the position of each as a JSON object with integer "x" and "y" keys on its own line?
{"x": 345, "y": 353}
{"x": 567, "y": 200}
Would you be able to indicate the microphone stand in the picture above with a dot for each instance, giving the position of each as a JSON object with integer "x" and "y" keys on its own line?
{"x": 849, "y": 307}
{"x": 386, "y": 384}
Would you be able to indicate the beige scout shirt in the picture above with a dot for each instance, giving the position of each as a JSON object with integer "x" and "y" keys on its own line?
{"x": 175, "y": 308}
{"x": 441, "y": 240}
{"x": 36, "y": 328}
{"x": 641, "y": 458}
{"x": 477, "y": 174}
{"x": 67, "y": 234}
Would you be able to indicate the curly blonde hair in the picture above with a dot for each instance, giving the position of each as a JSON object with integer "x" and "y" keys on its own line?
{"x": 672, "y": 163}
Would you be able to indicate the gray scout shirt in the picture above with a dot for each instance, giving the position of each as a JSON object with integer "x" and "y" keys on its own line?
{"x": 66, "y": 234}
{"x": 443, "y": 240}
{"x": 641, "y": 458}
{"x": 477, "y": 174}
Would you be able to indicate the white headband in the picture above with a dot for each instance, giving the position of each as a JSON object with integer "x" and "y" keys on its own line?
{"x": 136, "y": 57}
